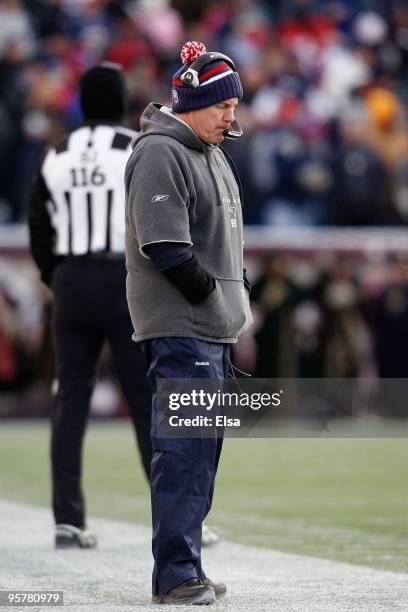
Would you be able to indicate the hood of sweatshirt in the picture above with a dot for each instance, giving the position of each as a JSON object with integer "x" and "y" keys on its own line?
{"x": 154, "y": 121}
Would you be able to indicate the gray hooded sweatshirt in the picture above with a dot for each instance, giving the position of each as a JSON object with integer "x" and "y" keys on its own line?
{"x": 178, "y": 189}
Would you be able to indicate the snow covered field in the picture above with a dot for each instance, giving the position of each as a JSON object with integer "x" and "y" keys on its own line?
{"x": 116, "y": 576}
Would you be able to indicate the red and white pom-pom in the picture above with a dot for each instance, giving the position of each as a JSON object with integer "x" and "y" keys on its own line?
{"x": 191, "y": 50}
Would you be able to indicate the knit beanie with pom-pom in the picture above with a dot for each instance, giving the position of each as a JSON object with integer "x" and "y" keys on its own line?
{"x": 217, "y": 82}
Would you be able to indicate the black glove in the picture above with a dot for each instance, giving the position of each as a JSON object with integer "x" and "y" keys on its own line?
{"x": 190, "y": 278}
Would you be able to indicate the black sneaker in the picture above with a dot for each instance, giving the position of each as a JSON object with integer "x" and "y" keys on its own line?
{"x": 191, "y": 593}
{"x": 68, "y": 536}
{"x": 219, "y": 587}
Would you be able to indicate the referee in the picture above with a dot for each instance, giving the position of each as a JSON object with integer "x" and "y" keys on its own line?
{"x": 76, "y": 223}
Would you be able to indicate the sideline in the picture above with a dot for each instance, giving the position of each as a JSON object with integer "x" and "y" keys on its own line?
{"x": 116, "y": 576}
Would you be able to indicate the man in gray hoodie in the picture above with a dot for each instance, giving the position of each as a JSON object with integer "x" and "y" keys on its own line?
{"x": 187, "y": 292}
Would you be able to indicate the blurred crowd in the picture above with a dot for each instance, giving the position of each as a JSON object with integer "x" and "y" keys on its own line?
{"x": 317, "y": 316}
{"x": 331, "y": 316}
{"x": 324, "y": 111}
{"x": 325, "y": 142}
{"x": 327, "y": 315}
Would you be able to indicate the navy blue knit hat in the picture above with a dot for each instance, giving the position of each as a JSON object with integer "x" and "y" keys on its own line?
{"x": 217, "y": 81}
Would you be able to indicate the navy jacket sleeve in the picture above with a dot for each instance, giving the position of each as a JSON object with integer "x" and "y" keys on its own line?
{"x": 165, "y": 255}
{"x": 181, "y": 268}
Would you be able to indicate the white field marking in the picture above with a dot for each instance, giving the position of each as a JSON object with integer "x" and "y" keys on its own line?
{"x": 116, "y": 576}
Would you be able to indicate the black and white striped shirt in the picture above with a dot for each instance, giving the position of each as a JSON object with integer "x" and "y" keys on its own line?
{"x": 84, "y": 178}
{"x": 77, "y": 203}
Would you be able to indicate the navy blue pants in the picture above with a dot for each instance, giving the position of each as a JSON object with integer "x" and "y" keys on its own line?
{"x": 183, "y": 470}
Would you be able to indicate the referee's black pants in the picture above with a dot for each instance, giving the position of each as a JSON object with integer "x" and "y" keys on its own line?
{"x": 90, "y": 307}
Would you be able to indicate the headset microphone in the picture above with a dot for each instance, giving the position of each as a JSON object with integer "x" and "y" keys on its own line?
{"x": 234, "y": 132}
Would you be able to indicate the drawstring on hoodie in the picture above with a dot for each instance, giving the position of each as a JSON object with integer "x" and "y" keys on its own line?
{"x": 217, "y": 191}
{"x": 235, "y": 173}
{"x": 232, "y": 375}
